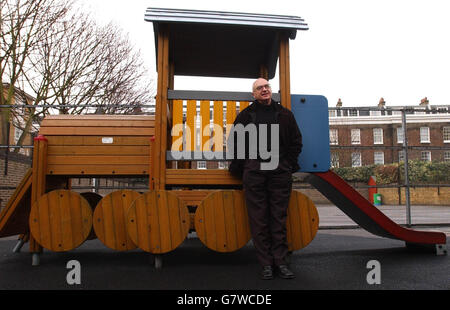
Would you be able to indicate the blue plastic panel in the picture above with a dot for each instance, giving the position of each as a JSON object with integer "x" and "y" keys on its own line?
{"x": 311, "y": 113}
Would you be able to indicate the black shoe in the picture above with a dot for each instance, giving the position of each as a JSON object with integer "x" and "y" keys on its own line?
{"x": 284, "y": 272}
{"x": 267, "y": 273}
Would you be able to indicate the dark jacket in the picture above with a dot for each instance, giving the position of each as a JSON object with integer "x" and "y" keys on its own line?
{"x": 290, "y": 137}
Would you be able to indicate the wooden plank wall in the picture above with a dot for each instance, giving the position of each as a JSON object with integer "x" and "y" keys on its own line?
{"x": 98, "y": 144}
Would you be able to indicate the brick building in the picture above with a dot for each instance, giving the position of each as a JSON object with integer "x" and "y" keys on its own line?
{"x": 18, "y": 119}
{"x": 366, "y": 136}
{"x": 14, "y": 162}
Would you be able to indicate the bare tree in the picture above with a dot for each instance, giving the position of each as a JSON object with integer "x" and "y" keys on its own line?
{"x": 63, "y": 58}
{"x": 22, "y": 24}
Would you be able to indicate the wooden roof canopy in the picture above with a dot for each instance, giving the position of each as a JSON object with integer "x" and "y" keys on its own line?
{"x": 223, "y": 44}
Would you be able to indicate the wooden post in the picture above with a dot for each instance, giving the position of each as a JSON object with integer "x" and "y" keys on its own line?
{"x": 263, "y": 72}
{"x": 38, "y": 186}
{"x": 151, "y": 169}
{"x": 285, "y": 80}
{"x": 161, "y": 109}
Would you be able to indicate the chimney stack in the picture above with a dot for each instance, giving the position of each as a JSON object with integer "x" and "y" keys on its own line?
{"x": 424, "y": 102}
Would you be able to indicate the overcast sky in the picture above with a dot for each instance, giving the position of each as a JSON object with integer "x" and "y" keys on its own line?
{"x": 355, "y": 50}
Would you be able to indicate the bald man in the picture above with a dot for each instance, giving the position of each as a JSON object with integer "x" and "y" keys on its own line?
{"x": 267, "y": 187}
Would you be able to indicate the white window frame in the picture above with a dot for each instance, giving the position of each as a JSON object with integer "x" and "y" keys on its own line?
{"x": 425, "y": 155}
{"x": 424, "y": 134}
{"x": 334, "y": 136}
{"x": 353, "y": 112}
{"x": 400, "y": 135}
{"x": 378, "y": 136}
{"x": 355, "y": 136}
{"x": 446, "y": 134}
{"x": 201, "y": 164}
{"x": 356, "y": 159}
{"x": 378, "y": 158}
{"x": 334, "y": 160}
{"x": 447, "y": 156}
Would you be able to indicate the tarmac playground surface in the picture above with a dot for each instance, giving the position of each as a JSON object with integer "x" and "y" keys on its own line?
{"x": 340, "y": 257}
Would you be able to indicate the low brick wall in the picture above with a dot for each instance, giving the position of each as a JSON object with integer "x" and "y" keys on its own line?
{"x": 17, "y": 167}
{"x": 418, "y": 195}
{"x": 318, "y": 198}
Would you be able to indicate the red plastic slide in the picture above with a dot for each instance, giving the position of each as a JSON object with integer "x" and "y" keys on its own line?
{"x": 366, "y": 214}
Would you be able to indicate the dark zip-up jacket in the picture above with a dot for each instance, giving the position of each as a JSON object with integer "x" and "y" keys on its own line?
{"x": 290, "y": 137}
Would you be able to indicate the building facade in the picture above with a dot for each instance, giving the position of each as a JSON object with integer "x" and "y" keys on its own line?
{"x": 367, "y": 136}
{"x": 18, "y": 117}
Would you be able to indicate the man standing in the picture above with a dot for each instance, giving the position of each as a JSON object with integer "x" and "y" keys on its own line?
{"x": 267, "y": 190}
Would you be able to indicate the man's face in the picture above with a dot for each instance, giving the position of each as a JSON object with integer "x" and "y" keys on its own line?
{"x": 262, "y": 91}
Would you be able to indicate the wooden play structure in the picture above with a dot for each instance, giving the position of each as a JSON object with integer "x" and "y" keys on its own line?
{"x": 44, "y": 210}
{"x": 46, "y": 213}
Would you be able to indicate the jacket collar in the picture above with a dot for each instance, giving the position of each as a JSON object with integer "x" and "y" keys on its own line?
{"x": 252, "y": 110}
{"x": 276, "y": 104}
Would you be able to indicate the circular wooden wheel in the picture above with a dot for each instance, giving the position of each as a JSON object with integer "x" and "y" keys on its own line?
{"x": 60, "y": 220}
{"x": 221, "y": 221}
{"x": 93, "y": 199}
{"x": 110, "y": 217}
{"x": 158, "y": 222}
{"x": 302, "y": 221}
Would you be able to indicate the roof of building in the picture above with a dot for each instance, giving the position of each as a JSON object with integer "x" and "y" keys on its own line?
{"x": 223, "y": 44}
{"x": 292, "y": 23}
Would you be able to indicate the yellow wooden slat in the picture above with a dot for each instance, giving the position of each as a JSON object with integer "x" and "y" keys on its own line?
{"x": 205, "y": 131}
{"x": 190, "y": 136}
{"x": 96, "y": 169}
{"x": 98, "y": 150}
{"x": 98, "y": 140}
{"x": 177, "y": 124}
{"x": 231, "y": 115}
{"x": 192, "y": 197}
{"x": 220, "y": 223}
{"x": 218, "y": 126}
{"x": 200, "y": 177}
{"x": 162, "y": 223}
{"x": 243, "y": 105}
{"x": 100, "y": 160}
{"x": 96, "y": 131}
{"x": 98, "y": 122}
{"x": 229, "y": 218}
{"x": 98, "y": 117}
{"x": 302, "y": 221}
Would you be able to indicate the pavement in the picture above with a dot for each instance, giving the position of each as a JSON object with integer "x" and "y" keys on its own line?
{"x": 341, "y": 257}
{"x": 332, "y": 217}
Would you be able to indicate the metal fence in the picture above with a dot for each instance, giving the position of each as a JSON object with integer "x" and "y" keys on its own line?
{"x": 353, "y": 131}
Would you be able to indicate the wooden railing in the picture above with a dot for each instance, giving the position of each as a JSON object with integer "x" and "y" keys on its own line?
{"x": 200, "y": 124}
